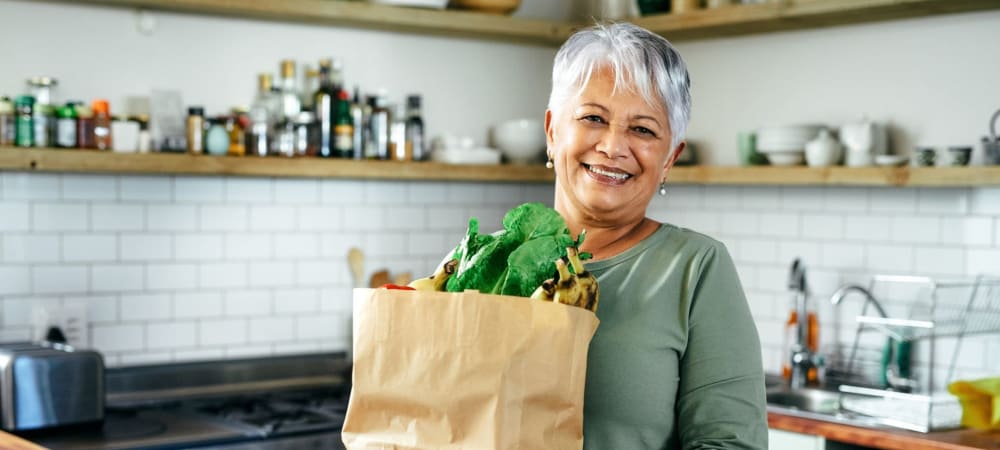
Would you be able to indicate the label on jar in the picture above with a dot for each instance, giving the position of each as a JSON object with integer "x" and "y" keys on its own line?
{"x": 343, "y": 140}
{"x": 42, "y": 131}
{"x": 66, "y": 133}
{"x": 25, "y": 132}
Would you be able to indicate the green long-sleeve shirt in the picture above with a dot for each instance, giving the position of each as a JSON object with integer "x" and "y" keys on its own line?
{"x": 675, "y": 362}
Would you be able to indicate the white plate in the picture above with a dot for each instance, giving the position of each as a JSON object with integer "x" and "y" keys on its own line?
{"x": 786, "y": 158}
{"x": 769, "y": 148}
{"x": 890, "y": 160}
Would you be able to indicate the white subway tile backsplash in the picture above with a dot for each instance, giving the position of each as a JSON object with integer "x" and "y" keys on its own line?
{"x": 967, "y": 230}
{"x": 223, "y": 275}
{"x": 386, "y": 193}
{"x": 447, "y": 218}
{"x": 249, "y": 190}
{"x": 773, "y": 278}
{"x": 117, "y": 277}
{"x": 342, "y": 192}
{"x": 29, "y": 248}
{"x": 145, "y": 307}
{"x": 270, "y": 274}
{"x": 431, "y": 193}
{"x": 96, "y": 247}
{"x": 14, "y": 216}
{"x": 145, "y": 188}
{"x": 840, "y": 255}
{"x": 893, "y": 259}
{"x": 740, "y": 224}
{"x": 985, "y": 200}
{"x": 171, "y": 217}
{"x": 365, "y": 218}
{"x": 189, "y": 247}
{"x": 15, "y": 334}
{"x": 543, "y": 193}
{"x": 171, "y": 276}
{"x": 387, "y": 244}
{"x": 89, "y": 187}
{"x": 336, "y": 245}
{"x": 272, "y": 329}
{"x": 199, "y": 189}
{"x": 867, "y": 228}
{"x": 320, "y": 272}
{"x": 758, "y": 251}
{"x": 222, "y": 332}
{"x": 847, "y": 199}
{"x": 983, "y": 261}
{"x": 727, "y": 198}
{"x": 19, "y": 311}
{"x": 341, "y": 299}
{"x": 409, "y": 218}
{"x": 680, "y": 196}
{"x": 490, "y": 219}
{"x": 799, "y": 198}
{"x": 322, "y": 326}
{"x": 894, "y": 200}
{"x": 194, "y": 305}
{"x": 223, "y": 218}
{"x": 943, "y": 200}
{"x": 809, "y": 252}
{"x": 779, "y": 224}
{"x": 248, "y": 246}
{"x": 828, "y": 227}
{"x": 272, "y": 218}
{"x": 31, "y": 186}
{"x": 319, "y": 218}
{"x": 703, "y": 222}
{"x": 296, "y": 300}
{"x": 296, "y": 192}
{"x": 504, "y": 195}
{"x": 296, "y": 245}
{"x": 146, "y": 247}
{"x": 116, "y": 338}
{"x": 117, "y": 217}
{"x": 60, "y": 217}
{"x": 915, "y": 229}
{"x": 51, "y": 279}
{"x": 468, "y": 193}
{"x": 100, "y": 308}
{"x": 937, "y": 261}
{"x": 255, "y": 302}
{"x": 761, "y": 198}
{"x": 430, "y": 243}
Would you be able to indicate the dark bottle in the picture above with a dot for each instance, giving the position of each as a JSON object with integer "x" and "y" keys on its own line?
{"x": 8, "y": 131}
{"x": 24, "y": 121}
{"x": 343, "y": 130}
{"x": 378, "y": 125}
{"x": 358, "y": 124}
{"x": 325, "y": 101}
{"x": 415, "y": 142}
{"x": 85, "y": 127}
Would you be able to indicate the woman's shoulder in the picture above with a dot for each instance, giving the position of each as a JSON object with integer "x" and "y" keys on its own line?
{"x": 688, "y": 240}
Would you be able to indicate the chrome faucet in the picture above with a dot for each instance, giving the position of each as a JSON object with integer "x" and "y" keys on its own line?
{"x": 869, "y": 298}
{"x": 801, "y": 357}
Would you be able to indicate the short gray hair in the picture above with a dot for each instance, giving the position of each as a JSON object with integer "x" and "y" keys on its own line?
{"x": 630, "y": 51}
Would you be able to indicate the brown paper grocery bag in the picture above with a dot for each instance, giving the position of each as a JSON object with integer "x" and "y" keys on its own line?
{"x": 438, "y": 370}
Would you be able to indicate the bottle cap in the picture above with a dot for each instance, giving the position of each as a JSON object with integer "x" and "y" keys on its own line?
{"x": 100, "y": 106}
{"x": 66, "y": 112}
{"x": 413, "y": 101}
{"x": 287, "y": 68}
{"x": 24, "y": 100}
{"x": 196, "y": 111}
{"x": 42, "y": 81}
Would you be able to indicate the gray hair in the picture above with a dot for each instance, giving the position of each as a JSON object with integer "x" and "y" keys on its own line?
{"x": 630, "y": 51}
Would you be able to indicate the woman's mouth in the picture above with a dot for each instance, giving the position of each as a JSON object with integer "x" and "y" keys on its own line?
{"x": 607, "y": 174}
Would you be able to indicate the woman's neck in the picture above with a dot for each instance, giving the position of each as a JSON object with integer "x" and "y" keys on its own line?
{"x": 605, "y": 240}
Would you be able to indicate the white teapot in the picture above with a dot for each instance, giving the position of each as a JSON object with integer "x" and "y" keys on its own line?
{"x": 864, "y": 139}
{"x": 823, "y": 151}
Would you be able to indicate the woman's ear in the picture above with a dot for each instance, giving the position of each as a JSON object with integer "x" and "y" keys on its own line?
{"x": 673, "y": 157}
{"x": 548, "y": 128}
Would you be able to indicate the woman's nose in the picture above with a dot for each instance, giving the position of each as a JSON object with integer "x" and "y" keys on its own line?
{"x": 613, "y": 142}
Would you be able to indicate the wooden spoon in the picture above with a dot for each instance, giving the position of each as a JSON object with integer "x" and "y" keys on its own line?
{"x": 356, "y": 261}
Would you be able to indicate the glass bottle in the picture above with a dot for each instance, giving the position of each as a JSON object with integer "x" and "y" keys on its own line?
{"x": 397, "y": 135}
{"x": 237, "y": 136}
{"x": 415, "y": 141}
{"x": 262, "y": 116}
{"x": 66, "y": 126}
{"x": 290, "y": 103}
{"x": 24, "y": 121}
{"x": 310, "y": 83}
{"x": 325, "y": 100}
{"x": 216, "y": 137}
{"x": 196, "y": 130}
{"x": 358, "y": 124}
{"x": 343, "y": 131}
{"x": 85, "y": 127}
{"x": 379, "y": 125}
{"x": 8, "y": 129}
{"x": 45, "y": 125}
{"x": 305, "y": 134}
{"x": 102, "y": 124}
{"x": 41, "y": 88}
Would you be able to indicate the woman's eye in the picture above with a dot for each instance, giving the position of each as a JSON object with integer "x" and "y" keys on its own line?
{"x": 644, "y": 130}
{"x": 593, "y": 118}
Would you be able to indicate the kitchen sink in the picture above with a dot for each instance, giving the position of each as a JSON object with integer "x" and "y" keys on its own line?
{"x": 806, "y": 399}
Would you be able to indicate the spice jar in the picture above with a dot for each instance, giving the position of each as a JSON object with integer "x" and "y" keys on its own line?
{"x": 8, "y": 131}
{"x": 196, "y": 130}
{"x": 45, "y": 125}
{"x": 217, "y": 138}
{"x": 41, "y": 88}
{"x": 102, "y": 124}
{"x": 85, "y": 127}
{"x": 66, "y": 126}
{"x": 24, "y": 121}
{"x": 306, "y": 136}
{"x": 234, "y": 126}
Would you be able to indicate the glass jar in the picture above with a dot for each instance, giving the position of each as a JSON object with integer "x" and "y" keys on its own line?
{"x": 102, "y": 124}
{"x": 45, "y": 126}
{"x": 306, "y": 136}
{"x": 8, "y": 130}
{"x": 196, "y": 130}
{"x": 24, "y": 121}
{"x": 41, "y": 88}
{"x": 217, "y": 138}
{"x": 85, "y": 127}
{"x": 66, "y": 126}
{"x": 237, "y": 138}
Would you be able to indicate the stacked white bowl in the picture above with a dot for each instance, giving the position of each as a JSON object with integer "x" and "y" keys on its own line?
{"x": 785, "y": 145}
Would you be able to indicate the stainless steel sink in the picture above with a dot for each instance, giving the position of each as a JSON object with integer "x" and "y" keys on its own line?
{"x": 816, "y": 404}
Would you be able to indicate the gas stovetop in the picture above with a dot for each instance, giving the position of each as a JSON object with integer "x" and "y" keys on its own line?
{"x": 286, "y": 403}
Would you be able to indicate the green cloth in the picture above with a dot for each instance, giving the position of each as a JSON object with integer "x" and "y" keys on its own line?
{"x": 675, "y": 362}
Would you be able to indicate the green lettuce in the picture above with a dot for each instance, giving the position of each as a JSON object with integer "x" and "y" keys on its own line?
{"x": 516, "y": 259}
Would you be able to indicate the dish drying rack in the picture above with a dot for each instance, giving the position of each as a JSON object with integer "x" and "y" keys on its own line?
{"x": 934, "y": 309}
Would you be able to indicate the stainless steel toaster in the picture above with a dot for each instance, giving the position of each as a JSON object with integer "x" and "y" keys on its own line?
{"x": 45, "y": 385}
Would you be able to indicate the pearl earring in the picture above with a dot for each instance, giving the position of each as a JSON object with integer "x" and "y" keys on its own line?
{"x": 663, "y": 188}
{"x": 549, "y": 164}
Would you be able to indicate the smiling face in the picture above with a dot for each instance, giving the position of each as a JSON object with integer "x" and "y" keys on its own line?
{"x": 611, "y": 151}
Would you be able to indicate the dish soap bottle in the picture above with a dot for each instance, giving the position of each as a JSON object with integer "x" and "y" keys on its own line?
{"x": 810, "y": 338}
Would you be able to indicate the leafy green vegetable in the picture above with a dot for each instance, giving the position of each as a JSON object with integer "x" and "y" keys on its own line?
{"x": 515, "y": 260}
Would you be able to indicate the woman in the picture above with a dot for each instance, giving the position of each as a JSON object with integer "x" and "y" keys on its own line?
{"x": 676, "y": 360}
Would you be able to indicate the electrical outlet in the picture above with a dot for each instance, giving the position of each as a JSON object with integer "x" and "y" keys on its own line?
{"x": 71, "y": 320}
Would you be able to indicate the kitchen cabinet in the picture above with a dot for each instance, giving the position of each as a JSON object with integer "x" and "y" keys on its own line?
{"x": 88, "y": 161}
{"x": 728, "y": 20}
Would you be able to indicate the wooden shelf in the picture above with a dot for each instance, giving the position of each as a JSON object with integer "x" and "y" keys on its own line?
{"x": 776, "y": 15}
{"x": 87, "y": 161}
{"x": 784, "y": 15}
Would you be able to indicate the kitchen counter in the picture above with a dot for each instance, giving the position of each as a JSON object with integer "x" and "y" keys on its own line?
{"x": 892, "y": 439}
{"x": 11, "y": 442}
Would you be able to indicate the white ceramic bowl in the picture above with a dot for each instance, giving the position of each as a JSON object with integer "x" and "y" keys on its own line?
{"x": 520, "y": 140}
{"x": 785, "y": 158}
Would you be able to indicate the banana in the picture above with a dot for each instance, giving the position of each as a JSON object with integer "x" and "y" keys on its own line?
{"x": 437, "y": 281}
{"x": 576, "y": 289}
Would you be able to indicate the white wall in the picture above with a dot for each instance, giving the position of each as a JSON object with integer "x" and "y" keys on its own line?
{"x": 181, "y": 268}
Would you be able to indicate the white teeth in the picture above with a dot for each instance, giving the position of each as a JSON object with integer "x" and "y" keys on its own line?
{"x": 615, "y": 175}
